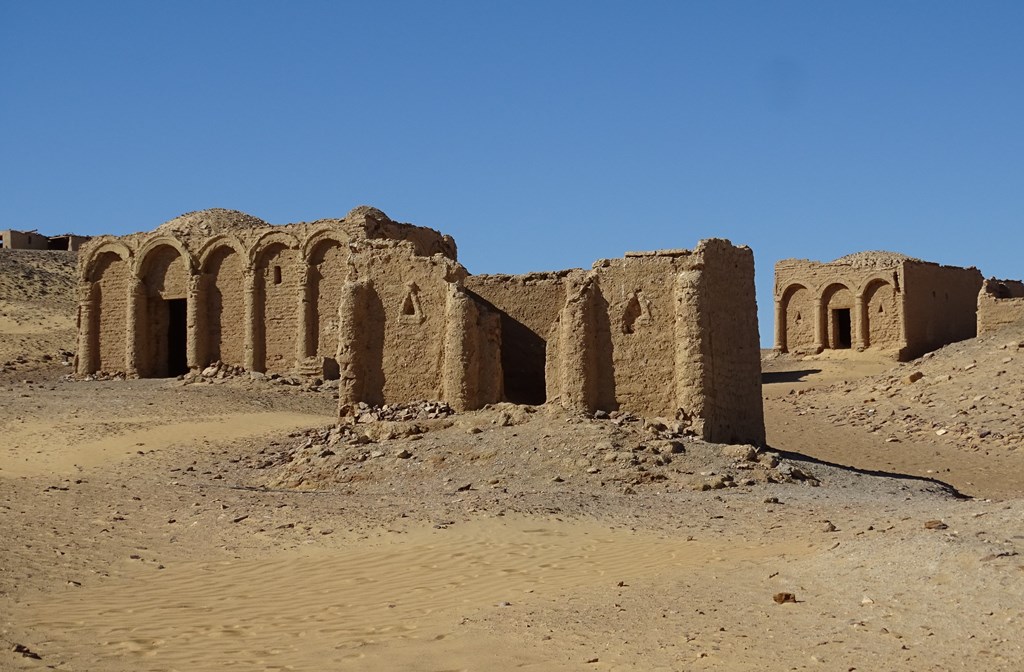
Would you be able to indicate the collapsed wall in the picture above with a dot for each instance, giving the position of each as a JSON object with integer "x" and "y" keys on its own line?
{"x": 1000, "y": 304}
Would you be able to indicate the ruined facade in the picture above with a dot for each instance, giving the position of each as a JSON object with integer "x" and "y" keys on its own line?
{"x": 386, "y": 309}
{"x": 1000, "y": 304}
{"x": 33, "y": 240}
{"x": 877, "y": 300}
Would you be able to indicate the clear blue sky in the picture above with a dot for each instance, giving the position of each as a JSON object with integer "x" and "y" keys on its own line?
{"x": 542, "y": 135}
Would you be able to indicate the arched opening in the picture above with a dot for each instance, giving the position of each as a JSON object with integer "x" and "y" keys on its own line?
{"x": 109, "y": 320}
{"x": 223, "y": 275}
{"x": 798, "y": 313}
{"x": 328, "y": 269}
{"x": 883, "y": 315}
{"x": 838, "y": 302}
{"x": 162, "y": 314}
{"x": 278, "y": 283}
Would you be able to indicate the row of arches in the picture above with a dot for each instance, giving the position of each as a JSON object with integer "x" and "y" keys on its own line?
{"x": 160, "y": 310}
{"x": 834, "y": 316}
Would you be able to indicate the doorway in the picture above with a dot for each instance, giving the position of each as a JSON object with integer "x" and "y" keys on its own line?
{"x": 177, "y": 336}
{"x": 844, "y": 332}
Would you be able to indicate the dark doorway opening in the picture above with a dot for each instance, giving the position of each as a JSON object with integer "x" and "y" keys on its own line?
{"x": 177, "y": 335}
{"x": 522, "y": 363}
{"x": 843, "y": 328}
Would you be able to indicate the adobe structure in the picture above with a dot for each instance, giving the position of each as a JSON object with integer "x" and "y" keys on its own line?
{"x": 1000, "y": 304}
{"x": 386, "y": 309}
{"x": 33, "y": 240}
{"x": 878, "y": 300}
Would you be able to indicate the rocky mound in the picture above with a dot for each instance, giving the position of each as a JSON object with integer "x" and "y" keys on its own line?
{"x": 874, "y": 259}
{"x": 967, "y": 394}
{"x": 512, "y": 447}
{"x": 205, "y": 223}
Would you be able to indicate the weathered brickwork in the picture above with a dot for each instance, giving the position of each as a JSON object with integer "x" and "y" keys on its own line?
{"x": 1000, "y": 304}
{"x": 385, "y": 309}
{"x": 877, "y": 300}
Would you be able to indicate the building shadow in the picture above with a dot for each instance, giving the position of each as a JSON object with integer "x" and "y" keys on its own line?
{"x": 787, "y": 376}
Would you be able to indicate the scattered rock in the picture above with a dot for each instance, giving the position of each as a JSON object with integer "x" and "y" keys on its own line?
{"x": 783, "y": 598}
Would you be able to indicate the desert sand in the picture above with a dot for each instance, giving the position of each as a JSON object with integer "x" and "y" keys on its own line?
{"x": 224, "y": 523}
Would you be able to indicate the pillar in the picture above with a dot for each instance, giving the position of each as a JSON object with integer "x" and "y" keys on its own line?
{"x": 691, "y": 357}
{"x": 575, "y": 342}
{"x": 195, "y": 331}
{"x": 351, "y": 351}
{"x": 820, "y": 324}
{"x": 134, "y": 343}
{"x": 860, "y": 328}
{"x": 251, "y": 318}
{"x": 460, "y": 351}
{"x": 780, "y": 326}
{"x": 87, "y": 331}
{"x": 302, "y": 340}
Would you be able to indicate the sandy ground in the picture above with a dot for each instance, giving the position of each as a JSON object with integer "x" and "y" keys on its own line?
{"x": 224, "y": 525}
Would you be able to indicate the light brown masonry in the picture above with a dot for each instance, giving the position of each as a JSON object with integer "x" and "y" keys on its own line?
{"x": 1000, "y": 304}
{"x": 386, "y": 309}
{"x": 873, "y": 300}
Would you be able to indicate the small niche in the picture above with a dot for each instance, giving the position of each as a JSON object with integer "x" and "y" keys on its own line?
{"x": 277, "y": 275}
{"x": 636, "y": 313}
{"x": 412, "y": 312}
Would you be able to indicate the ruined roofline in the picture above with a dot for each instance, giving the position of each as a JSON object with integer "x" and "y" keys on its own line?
{"x": 874, "y": 259}
{"x": 194, "y": 230}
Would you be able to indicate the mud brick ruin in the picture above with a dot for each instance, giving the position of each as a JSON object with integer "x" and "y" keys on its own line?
{"x": 11, "y": 239}
{"x": 881, "y": 300}
{"x": 386, "y": 309}
{"x": 1000, "y": 304}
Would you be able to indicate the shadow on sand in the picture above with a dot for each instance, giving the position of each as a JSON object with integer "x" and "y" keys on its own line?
{"x": 787, "y": 376}
{"x": 807, "y": 459}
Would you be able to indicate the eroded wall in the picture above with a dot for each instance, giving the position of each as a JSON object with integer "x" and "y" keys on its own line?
{"x": 940, "y": 307}
{"x": 1000, "y": 304}
{"x": 528, "y": 306}
{"x": 670, "y": 333}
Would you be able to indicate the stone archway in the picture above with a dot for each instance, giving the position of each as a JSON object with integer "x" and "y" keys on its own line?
{"x": 837, "y": 301}
{"x": 161, "y": 347}
{"x": 882, "y": 314}
{"x": 798, "y": 315}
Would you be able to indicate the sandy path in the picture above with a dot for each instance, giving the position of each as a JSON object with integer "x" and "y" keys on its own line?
{"x": 50, "y": 447}
{"x": 400, "y": 599}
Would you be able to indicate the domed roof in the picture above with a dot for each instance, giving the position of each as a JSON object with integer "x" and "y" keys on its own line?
{"x": 874, "y": 259}
{"x": 211, "y": 222}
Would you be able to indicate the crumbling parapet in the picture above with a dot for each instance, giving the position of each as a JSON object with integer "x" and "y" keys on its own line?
{"x": 1000, "y": 304}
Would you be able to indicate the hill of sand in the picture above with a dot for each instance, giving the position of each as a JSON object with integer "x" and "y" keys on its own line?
{"x": 37, "y": 306}
{"x": 225, "y": 523}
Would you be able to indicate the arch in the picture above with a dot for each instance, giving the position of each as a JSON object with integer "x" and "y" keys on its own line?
{"x": 153, "y": 244}
{"x": 327, "y": 259}
{"x": 798, "y": 316}
{"x": 837, "y": 301}
{"x": 882, "y": 314}
{"x": 110, "y": 246}
{"x": 107, "y": 322}
{"x": 223, "y": 290}
{"x": 271, "y": 239}
{"x": 280, "y": 283}
{"x": 314, "y": 239}
{"x": 215, "y": 244}
{"x": 164, "y": 270}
